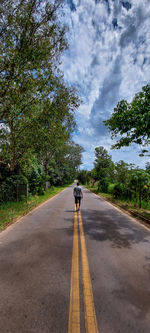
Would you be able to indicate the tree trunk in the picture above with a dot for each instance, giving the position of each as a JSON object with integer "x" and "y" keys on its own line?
{"x": 140, "y": 198}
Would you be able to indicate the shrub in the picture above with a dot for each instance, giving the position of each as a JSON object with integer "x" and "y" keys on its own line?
{"x": 37, "y": 181}
{"x": 111, "y": 188}
{"x": 103, "y": 185}
{"x": 117, "y": 191}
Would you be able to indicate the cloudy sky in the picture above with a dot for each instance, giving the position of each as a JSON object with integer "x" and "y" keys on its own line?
{"x": 108, "y": 60}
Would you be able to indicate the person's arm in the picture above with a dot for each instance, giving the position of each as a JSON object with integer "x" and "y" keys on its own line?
{"x": 82, "y": 194}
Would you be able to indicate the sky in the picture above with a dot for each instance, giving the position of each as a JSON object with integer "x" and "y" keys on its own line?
{"x": 108, "y": 60}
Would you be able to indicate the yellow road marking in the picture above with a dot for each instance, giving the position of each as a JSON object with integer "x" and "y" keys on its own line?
{"x": 90, "y": 315}
{"x": 74, "y": 309}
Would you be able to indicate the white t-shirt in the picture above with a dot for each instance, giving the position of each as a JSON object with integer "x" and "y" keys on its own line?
{"x": 77, "y": 191}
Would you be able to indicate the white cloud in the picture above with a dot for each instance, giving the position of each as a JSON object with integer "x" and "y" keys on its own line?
{"x": 108, "y": 59}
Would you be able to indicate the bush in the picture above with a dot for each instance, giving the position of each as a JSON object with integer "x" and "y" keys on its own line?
{"x": 111, "y": 188}
{"x": 37, "y": 181}
{"x": 117, "y": 191}
{"x": 103, "y": 185}
{"x": 8, "y": 190}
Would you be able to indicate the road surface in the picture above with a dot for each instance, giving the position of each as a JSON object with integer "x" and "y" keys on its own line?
{"x": 68, "y": 272}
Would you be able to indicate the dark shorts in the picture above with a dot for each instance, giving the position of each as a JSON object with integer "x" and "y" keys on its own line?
{"x": 77, "y": 200}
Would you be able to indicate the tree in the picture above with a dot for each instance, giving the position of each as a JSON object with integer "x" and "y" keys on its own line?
{"x": 63, "y": 167}
{"x": 83, "y": 176}
{"x": 121, "y": 172}
{"x": 139, "y": 179}
{"x": 56, "y": 123}
{"x": 131, "y": 121}
{"x": 101, "y": 165}
{"x": 32, "y": 41}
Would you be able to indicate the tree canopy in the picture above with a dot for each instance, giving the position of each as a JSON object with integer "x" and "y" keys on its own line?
{"x": 32, "y": 41}
{"x": 131, "y": 121}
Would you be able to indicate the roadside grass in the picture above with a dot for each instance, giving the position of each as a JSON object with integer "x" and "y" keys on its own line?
{"x": 11, "y": 211}
{"x": 127, "y": 205}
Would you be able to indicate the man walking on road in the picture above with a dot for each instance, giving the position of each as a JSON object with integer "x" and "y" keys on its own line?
{"x": 78, "y": 194}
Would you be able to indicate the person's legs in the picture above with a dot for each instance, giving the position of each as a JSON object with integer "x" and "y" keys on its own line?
{"x": 76, "y": 202}
{"x": 79, "y": 202}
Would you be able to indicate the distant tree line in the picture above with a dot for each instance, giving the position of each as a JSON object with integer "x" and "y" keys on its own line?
{"x": 123, "y": 180}
{"x": 37, "y": 108}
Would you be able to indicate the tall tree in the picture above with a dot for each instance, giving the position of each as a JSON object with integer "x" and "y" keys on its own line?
{"x": 56, "y": 123}
{"x": 32, "y": 41}
{"x": 102, "y": 165}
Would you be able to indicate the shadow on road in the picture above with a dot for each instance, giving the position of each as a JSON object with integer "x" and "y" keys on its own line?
{"x": 112, "y": 226}
{"x": 70, "y": 211}
{"x": 109, "y": 225}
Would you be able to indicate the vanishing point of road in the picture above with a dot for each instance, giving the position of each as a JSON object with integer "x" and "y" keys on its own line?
{"x": 63, "y": 271}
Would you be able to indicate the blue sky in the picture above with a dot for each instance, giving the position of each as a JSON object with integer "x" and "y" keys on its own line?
{"x": 108, "y": 60}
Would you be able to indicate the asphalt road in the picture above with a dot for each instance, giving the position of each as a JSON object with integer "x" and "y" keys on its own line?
{"x": 62, "y": 271}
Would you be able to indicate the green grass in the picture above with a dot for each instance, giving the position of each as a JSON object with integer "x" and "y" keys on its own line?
{"x": 127, "y": 205}
{"x": 11, "y": 211}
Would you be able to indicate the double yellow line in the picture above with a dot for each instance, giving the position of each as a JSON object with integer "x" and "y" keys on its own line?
{"x": 74, "y": 310}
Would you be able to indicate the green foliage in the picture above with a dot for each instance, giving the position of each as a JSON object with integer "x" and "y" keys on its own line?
{"x": 135, "y": 187}
{"x": 37, "y": 180}
{"x": 103, "y": 167}
{"x": 93, "y": 175}
{"x": 102, "y": 160}
{"x": 140, "y": 183}
{"x": 83, "y": 176}
{"x": 56, "y": 124}
{"x": 111, "y": 188}
{"x": 121, "y": 172}
{"x": 121, "y": 180}
{"x": 146, "y": 196}
{"x": 32, "y": 40}
{"x": 63, "y": 167}
{"x": 103, "y": 184}
{"x": 117, "y": 191}
{"x": 131, "y": 121}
